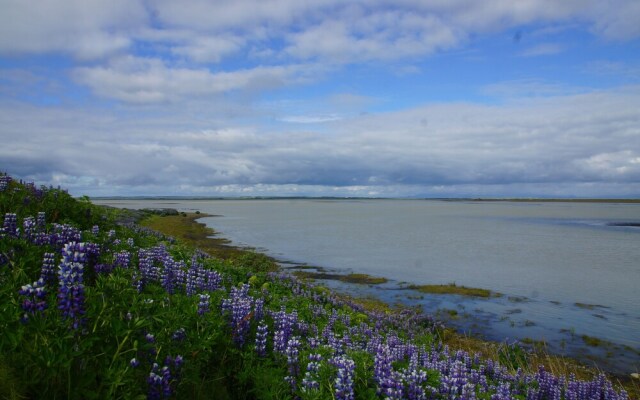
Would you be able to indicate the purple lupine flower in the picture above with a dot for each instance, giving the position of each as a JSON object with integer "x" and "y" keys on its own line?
{"x": 41, "y": 239}
{"x": 279, "y": 341}
{"x": 168, "y": 274}
{"x": 503, "y": 392}
{"x": 343, "y": 383}
{"x": 103, "y": 268}
{"x": 134, "y": 362}
{"x": 137, "y": 282}
{"x": 63, "y": 234}
{"x": 390, "y": 382}
{"x": 71, "y": 288}
{"x": 261, "y": 339}
{"x": 468, "y": 392}
{"x": 201, "y": 278}
{"x": 29, "y": 229}
{"x": 92, "y": 251}
{"x": 453, "y": 384}
{"x": 415, "y": 379}
{"x": 551, "y": 387}
{"x": 34, "y": 302}
{"x": 191, "y": 286}
{"x": 394, "y": 387}
{"x": 314, "y": 342}
{"x": 310, "y": 381}
{"x": 180, "y": 274}
{"x": 159, "y": 381}
{"x": 203, "y": 305}
{"x": 4, "y": 182}
{"x": 382, "y": 370}
{"x": 48, "y": 271}
{"x": 284, "y": 325}
{"x": 179, "y": 335}
{"x": 479, "y": 379}
{"x": 292, "y": 351}
{"x": 10, "y": 225}
{"x": 95, "y": 230}
{"x": 258, "y": 309}
{"x": 149, "y": 271}
{"x": 548, "y": 386}
{"x": 41, "y": 221}
{"x": 239, "y": 305}
{"x": 213, "y": 280}
{"x": 121, "y": 259}
{"x": 130, "y": 242}
{"x": 37, "y": 192}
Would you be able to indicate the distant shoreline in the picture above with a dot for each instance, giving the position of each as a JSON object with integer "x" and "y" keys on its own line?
{"x": 479, "y": 199}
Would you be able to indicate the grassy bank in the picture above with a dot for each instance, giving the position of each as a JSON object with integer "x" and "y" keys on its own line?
{"x": 513, "y": 356}
{"x": 92, "y": 309}
{"x": 361, "y": 279}
{"x": 452, "y": 288}
{"x": 192, "y": 233}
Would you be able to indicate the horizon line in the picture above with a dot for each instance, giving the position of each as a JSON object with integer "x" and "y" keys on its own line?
{"x": 513, "y": 199}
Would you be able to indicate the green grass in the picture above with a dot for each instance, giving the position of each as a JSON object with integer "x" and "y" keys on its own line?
{"x": 192, "y": 233}
{"x": 363, "y": 279}
{"x": 44, "y": 357}
{"x": 561, "y": 366}
{"x": 592, "y": 341}
{"x": 588, "y": 306}
{"x": 452, "y": 288}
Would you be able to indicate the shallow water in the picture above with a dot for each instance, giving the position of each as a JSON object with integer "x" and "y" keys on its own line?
{"x": 563, "y": 270}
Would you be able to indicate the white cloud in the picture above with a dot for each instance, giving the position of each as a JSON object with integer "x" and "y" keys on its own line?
{"x": 86, "y": 29}
{"x": 616, "y": 20}
{"x": 207, "y": 31}
{"x": 615, "y": 165}
{"x": 310, "y": 119}
{"x": 538, "y": 145}
{"x": 147, "y": 80}
{"x": 195, "y": 131}
{"x": 210, "y": 49}
{"x": 384, "y": 35}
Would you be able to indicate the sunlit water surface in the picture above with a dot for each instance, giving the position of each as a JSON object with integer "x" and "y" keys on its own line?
{"x": 563, "y": 269}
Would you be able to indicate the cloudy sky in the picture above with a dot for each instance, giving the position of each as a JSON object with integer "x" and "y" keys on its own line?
{"x": 429, "y": 98}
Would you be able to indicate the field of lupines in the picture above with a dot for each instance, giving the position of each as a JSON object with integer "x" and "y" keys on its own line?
{"x": 93, "y": 309}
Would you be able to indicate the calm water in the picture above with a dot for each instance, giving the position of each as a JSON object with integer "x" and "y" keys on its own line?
{"x": 563, "y": 270}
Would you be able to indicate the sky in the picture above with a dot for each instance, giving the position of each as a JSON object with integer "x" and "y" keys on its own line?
{"x": 380, "y": 98}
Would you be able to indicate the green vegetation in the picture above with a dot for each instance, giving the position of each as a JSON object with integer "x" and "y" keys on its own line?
{"x": 561, "y": 200}
{"x": 592, "y": 341}
{"x": 349, "y": 278}
{"x": 93, "y": 306}
{"x": 589, "y": 306}
{"x": 452, "y": 288}
{"x": 191, "y": 232}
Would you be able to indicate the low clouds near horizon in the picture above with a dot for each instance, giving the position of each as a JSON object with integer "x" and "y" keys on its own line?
{"x": 324, "y": 98}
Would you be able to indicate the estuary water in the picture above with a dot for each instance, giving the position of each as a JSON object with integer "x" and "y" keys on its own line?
{"x": 567, "y": 273}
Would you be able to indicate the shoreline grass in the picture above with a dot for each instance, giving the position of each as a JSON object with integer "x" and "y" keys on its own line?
{"x": 361, "y": 279}
{"x": 452, "y": 288}
{"x": 538, "y": 356}
{"x": 193, "y": 233}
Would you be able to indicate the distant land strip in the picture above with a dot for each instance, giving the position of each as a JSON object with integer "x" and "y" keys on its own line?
{"x": 517, "y": 200}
